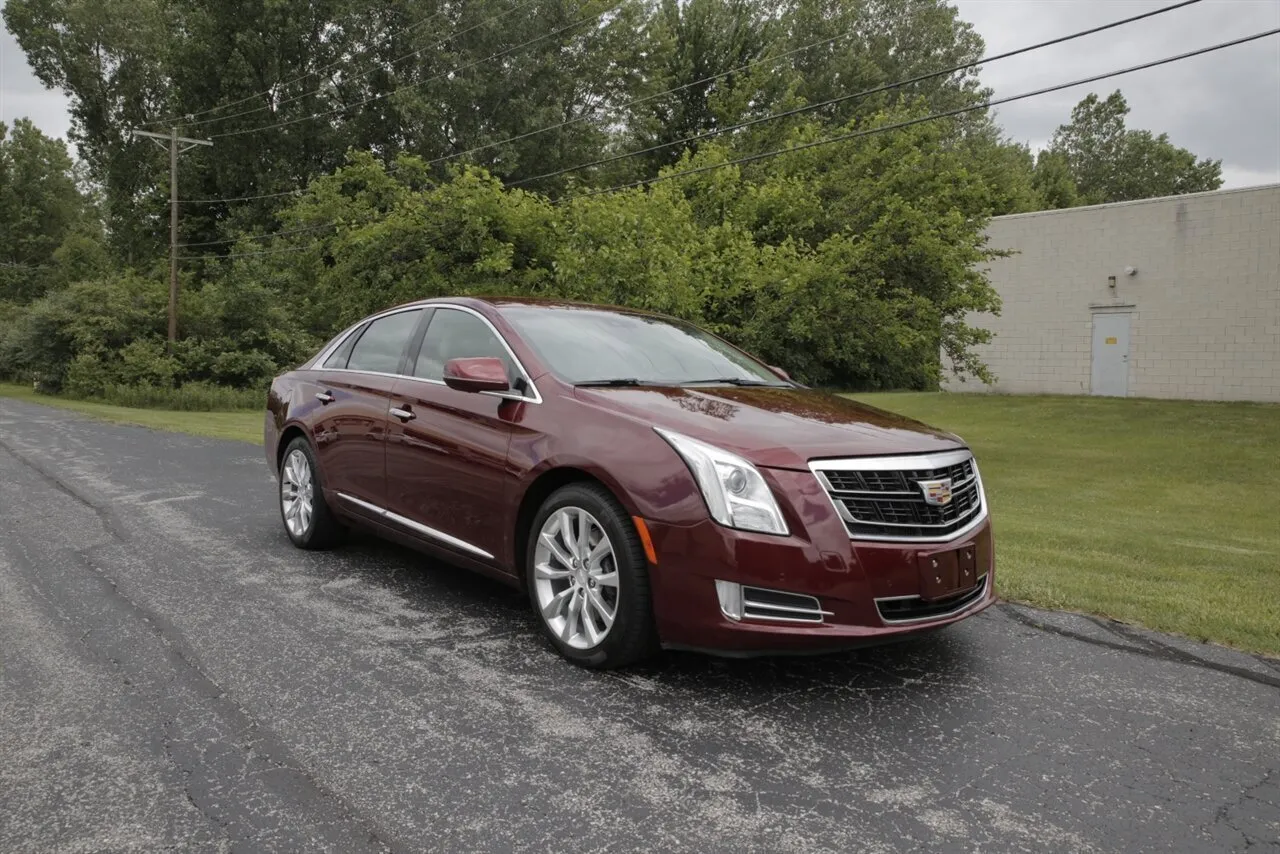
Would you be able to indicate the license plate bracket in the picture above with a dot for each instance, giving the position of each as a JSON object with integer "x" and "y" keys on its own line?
{"x": 946, "y": 573}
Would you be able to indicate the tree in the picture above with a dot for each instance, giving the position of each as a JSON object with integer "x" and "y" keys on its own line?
{"x": 105, "y": 54}
{"x": 878, "y": 42}
{"x": 1006, "y": 167}
{"x": 697, "y": 40}
{"x": 40, "y": 209}
{"x": 1111, "y": 163}
{"x": 1053, "y": 181}
{"x": 403, "y": 124}
{"x": 886, "y": 233}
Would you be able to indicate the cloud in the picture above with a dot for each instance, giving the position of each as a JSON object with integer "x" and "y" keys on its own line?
{"x": 23, "y": 96}
{"x": 1224, "y": 105}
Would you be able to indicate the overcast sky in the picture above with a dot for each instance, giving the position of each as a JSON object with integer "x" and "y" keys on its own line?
{"x": 1224, "y": 105}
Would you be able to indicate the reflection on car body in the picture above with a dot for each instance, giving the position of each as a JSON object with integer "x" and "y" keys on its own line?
{"x": 648, "y": 484}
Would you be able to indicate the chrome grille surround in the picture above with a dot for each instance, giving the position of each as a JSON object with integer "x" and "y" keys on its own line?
{"x": 879, "y": 498}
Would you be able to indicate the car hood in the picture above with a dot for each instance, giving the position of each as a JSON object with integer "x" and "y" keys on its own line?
{"x": 775, "y": 427}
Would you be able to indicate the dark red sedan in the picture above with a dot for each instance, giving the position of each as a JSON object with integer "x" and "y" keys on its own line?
{"x": 647, "y": 483}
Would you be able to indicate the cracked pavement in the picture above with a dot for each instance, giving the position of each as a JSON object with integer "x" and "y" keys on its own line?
{"x": 175, "y": 675}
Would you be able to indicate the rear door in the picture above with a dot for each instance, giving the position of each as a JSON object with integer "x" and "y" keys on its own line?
{"x": 354, "y": 391}
{"x": 447, "y": 451}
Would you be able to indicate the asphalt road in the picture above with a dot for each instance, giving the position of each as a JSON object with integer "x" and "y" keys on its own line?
{"x": 175, "y": 675}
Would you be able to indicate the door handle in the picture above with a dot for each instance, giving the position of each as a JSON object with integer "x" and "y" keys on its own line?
{"x": 324, "y": 397}
{"x": 405, "y": 414}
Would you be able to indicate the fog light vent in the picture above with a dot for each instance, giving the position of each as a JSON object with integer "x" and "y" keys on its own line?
{"x": 759, "y": 603}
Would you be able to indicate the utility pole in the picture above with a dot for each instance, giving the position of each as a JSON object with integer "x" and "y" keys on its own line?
{"x": 172, "y": 139}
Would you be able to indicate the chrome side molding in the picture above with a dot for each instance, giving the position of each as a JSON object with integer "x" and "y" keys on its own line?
{"x": 417, "y": 527}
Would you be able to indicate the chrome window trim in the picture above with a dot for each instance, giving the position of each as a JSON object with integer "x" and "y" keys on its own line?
{"x": 505, "y": 395}
{"x": 984, "y": 582}
{"x": 415, "y": 526}
{"x": 362, "y": 373}
{"x": 899, "y": 463}
{"x": 528, "y": 378}
{"x": 346, "y": 333}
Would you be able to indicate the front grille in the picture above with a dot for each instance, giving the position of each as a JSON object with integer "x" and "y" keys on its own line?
{"x": 882, "y": 497}
{"x": 896, "y": 481}
{"x": 761, "y": 604}
{"x": 911, "y": 609}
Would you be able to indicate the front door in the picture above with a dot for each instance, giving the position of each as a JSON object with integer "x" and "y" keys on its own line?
{"x": 1110, "y": 354}
{"x": 354, "y": 389}
{"x": 447, "y": 449}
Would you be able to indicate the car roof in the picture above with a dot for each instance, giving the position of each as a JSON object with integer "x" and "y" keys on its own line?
{"x": 532, "y": 302}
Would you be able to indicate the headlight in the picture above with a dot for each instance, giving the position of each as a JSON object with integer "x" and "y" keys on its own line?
{"x": 736, "y": 494}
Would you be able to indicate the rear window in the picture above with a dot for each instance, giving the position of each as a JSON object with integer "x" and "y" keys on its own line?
{"x": 383, "y": 342}
{"x": 339, "y": 357}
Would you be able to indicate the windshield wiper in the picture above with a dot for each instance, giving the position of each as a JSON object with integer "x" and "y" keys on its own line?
{"x": 619, "y": 382}
{"x": 741, "y": 381}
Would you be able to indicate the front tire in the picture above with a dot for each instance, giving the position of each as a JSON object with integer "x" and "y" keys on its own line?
{"x": 588, "y": 580}
{"x": 307, "y": 518}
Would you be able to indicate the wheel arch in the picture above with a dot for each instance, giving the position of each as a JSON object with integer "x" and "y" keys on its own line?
{"x": 542, "y": 487}
{"x": 287, "y": 435}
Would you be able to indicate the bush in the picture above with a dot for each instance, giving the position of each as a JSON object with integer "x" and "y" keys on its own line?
{"x": 851, "y": 265}
{"x": 190, "y": 397}
{"x": 111, "y": 332}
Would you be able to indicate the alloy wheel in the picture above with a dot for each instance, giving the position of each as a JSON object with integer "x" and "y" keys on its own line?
{"x": 297, "y": 493}
{"x": 576, "y": 578}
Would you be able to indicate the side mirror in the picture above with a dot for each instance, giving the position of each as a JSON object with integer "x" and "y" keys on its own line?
{"x": 484, "y": 373}
{"x": 786, "y": 376}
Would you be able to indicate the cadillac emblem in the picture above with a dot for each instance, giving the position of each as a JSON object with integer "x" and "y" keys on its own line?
{"x": 937, "y": 492}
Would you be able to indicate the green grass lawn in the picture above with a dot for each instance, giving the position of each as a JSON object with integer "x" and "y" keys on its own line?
{"x": 242, "y": 425}
{"x": 1163, "y": 513}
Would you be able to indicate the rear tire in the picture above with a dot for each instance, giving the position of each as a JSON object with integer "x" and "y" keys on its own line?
{"x": 307, "y": 518}
{"x": 588, "y": 579}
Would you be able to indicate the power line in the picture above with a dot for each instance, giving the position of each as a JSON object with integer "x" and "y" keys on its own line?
{"x": 712, "y": 78}
{"x": 258, "y": 236}
{"x": 371, "y": 70}
{"x": 240, "y": 198}
{"x": 291, "y": 80}
{"x": 796, "y": 111}
{"x": 931, "y": 117}
{"x": 897, "y": 126}
{"x": 680, "y": 88}
{"x": 244, "y": 254}
{"x": 854, "y": 96}
{"x": 383, "y": 95}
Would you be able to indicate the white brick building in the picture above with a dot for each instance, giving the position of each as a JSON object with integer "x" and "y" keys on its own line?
{"x": 1198, "y": 318}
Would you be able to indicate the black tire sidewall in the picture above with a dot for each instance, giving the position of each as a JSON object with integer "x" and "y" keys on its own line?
{"x": 629, "y": 637}
{"x": 320, "y": 515}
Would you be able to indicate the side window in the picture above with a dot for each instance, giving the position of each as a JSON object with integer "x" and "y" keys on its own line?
{"x": 338, "y": 358}
{"x": 382, "y": 343}
{"x": 455, "y": 334}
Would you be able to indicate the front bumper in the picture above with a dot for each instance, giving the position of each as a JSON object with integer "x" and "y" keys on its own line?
{"x": 847, "y": 578}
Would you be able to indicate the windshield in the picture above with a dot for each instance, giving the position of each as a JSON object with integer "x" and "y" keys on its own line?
{"x": 585, "y": 345}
